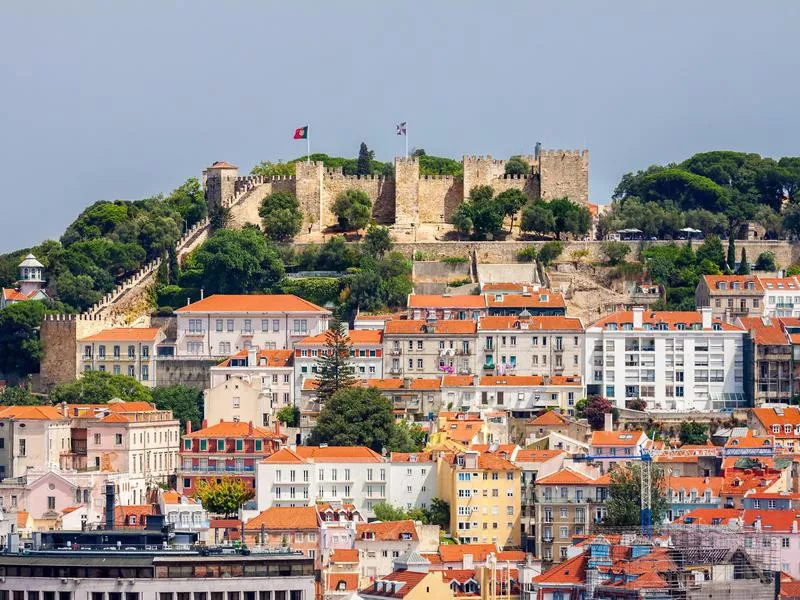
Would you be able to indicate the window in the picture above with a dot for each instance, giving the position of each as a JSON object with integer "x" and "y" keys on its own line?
{"x": 51, "y": 503}
{"x": 145, "y": 372}
{"x": 22, "y": 447}
{"x": 229, "y": 325}
{"x": 220, "y": 445}
{"x": 118, "y": 439}
{"x": 195, "y": 325}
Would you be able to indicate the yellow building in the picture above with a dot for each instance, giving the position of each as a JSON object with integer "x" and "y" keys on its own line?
{"x": 483, "y": 490}
{"x": 409, "y": 585}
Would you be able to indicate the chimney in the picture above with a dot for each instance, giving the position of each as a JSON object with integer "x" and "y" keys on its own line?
{"x": 638, "y": 312}
{"x": 202, "y": 293}
{"x": 204, "y": 424}
{"x": 64, "y": 409}
{"x": 794, "y": 526}
{"x": 468, "y": 564}
{"x": 406, "y": 383}
{"x": 608, "y": 422}
{"x": 476, "y": 380}
{"x": 188, "y": 427}
{"x": 705, "y": 313}
{"x": 250, "y": 428}
{"x": 252, "y": 356}
{"x": 277, "y": 427}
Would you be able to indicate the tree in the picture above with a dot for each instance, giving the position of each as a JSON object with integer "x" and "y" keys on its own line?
{"x": 377, "y": 241}
{"x": 486, "y": 212}
{"x": 596, "y": 409}
{"x": 224, "y": 498}
{"x": 20, "y": 347}
{"x": 280, "y": 215}
{"x": 364, "y": 163}
{"x": 186, "y": 403}
{"x": 580, "y": 408}
{"x": 334, "y": 369}
{"x": 766, "y": 262}
{"x": 189, "y": 201}
{"x": 624, "y": 503}
{"x": 353, "y": 209}
{"x": 570, "y": 217}
{"x": 99, "y": 387}
{"x": 439, "y": 514}
{"x": 462, "y": 219}
{"x": 615, "y": 251}
{"x": 336, "y": 255}
{"x": 791, "y": 218}
{"x": 516, "y": 165}
{"x": 511, "y": 202}
{"x": 636, "y": 404}
{"x": 273, "y": 169}
{"x": 538, "y": 217}
{"x": 15, "y": 395}
{"x": 289, "y": 415}
{"x": 744, "y": 266}
{"x": 407, "y": 437}
{"x": 218, "y": 217}
{"x": 711, "y": 249}
{"x": 693, "y": 433}
{"x": 235, "y": 262}
{"x": 730, "y": 259}
{"x": 386, "y": 512}
{"x": 550, "y": 251}
{"x": 355, "y": 416}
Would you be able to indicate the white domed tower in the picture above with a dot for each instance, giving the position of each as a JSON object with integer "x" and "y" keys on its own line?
{"x": 31, "y": 276}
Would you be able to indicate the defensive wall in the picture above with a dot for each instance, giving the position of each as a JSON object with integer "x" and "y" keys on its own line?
{"x": 404, "y": 200}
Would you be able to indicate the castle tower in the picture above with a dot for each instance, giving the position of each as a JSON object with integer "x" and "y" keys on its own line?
{"x": 219, "y": 181}
{"x": 31, "y": 276}
{"x": 406, "y": 189}
{"x": 564, "y": 173}
{"x": 481, "y": 170}
{"x": 309, "y": 192}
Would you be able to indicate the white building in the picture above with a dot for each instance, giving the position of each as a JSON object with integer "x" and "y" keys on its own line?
{"x": 30, "y": 285}
{"x": 366, "y": 355}
{"x": 221, "y": 325}
{"x": 672, "y": 360}
{"x": 305, "y": 475}
{"x": 412, "y": 479}
{"x": 781, "y": 296}
{"x": 379, "y": 543}
{"x": 186, "y": 514}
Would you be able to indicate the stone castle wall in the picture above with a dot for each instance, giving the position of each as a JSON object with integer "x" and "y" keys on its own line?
{"x": 59, "y": 334}
{"x": 408, "y": 198}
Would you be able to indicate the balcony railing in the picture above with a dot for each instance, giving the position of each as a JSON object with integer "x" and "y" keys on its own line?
{"x": 213, "y": 470}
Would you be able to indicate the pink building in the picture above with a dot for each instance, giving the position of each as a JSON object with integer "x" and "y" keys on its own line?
{"x": 281, "y": 527}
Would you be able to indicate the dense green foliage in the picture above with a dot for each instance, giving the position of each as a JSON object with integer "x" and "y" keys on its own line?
{"x": 335, "y": 371}
{"x": 377, "y": 241}
{"x": 550, "y": 251}
{"x": 353, "y": 209}
{"x": 437, "y": 165}
{"x": 186, "y": 403}
{"x": 14, "y": 395}
{"x": 558, "y": 216}
{"x": 615, "y": 252}
{"x": 482, "y": 213}
{"x": 596, "y": 409}
{"x": 349, "y": 166}
{"x": 624, "y": 504}
{"x": 289, "y": 415}
{"x": 98, "y": 387}
{"x": 693, "y": 433}
{"x": 766, "y": 262}
{"x": 715, "y": 192}
{"x": 281, "y": 217}
{"x": 438, "y": 513}
{"x": 20, "y": 346}
{"x": 516, "y": 165}
{"x": 224, "y": 498}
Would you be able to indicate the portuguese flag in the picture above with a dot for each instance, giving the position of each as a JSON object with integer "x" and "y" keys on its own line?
{"x": 301, "y": 133}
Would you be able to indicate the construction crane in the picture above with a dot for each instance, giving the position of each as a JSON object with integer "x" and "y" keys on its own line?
{"x": 646, "y": 456}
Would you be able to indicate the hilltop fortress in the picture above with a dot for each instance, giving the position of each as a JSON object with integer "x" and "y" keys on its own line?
{"x": 405, "y": 200}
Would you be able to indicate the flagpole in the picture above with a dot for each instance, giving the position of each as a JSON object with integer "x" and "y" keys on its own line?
{"x": 406, "y": 140}
{"x": 308, "y": 144}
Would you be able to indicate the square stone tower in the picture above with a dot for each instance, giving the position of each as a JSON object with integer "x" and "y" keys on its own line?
{"x": 406, "y": 189}
{"x": 219, "y": 181}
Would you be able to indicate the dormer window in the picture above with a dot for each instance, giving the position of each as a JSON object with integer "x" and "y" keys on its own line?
{"x": 750, "y": 285}
{"x": 735, "y": 285}
{"x": 721, "y": 285}
{"x": 776, "y": 429}
{"x": 498, "y": 297}
{"x": 787, "y": 429}
{"x": 543, "y": 297}
{"x": 680, "y": 326}
{"x": 716, "y": 327}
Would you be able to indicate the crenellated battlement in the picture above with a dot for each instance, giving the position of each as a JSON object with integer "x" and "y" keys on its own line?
{"x": 487, "y": 159}
{"x": 437, "y": 178}
{"x": 341, "y": 177}
{"x": 514, "y": 176}
{"x": 563, "y": 153}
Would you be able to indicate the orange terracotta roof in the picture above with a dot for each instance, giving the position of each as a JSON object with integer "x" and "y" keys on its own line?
{"x": 463, "y": 431}
{"x": 769, "y": 418}
{"x": 765, "y": 331}
{"x": 255, "y": 303}
{"x": 22, "y": 518}
{"x": 529, "y": 380}
{"x": 344, "y": 556}
{"x": 357, "y": 337}
{"x": 698, "y": 484}
{"x": 274, "y": 358}
{"x": 536, "y": 455}
{"x": 712, "y": 280}
{"x": 538, "y": 299}
{"x": 455, "y": 552}
{"x": 386, "y": 531}
{"x": 494, "y": 462}
{"x": 71, "y": 509}
{"x": 442, "y": 327}
{"x": 122, "y": 514}
{"x": 405, "y": 457}
{"x": 408, "y": 580}
{"x": 533, "y": 323}
{"x": 709, "y": 516}
{"x": 12, "y": 295}
{"x": 565, "y": 477}
{"x": 571, "y": 571}
{"x": 115, "y": 418}
{"x": 221, "y": 164}
{"x": 315, "y": 454}
{"x": 124, "y": 334}
{"x": 440, "y": 301}
{"x": 549, "y": 417}
{"x": 232, "y": 429}
{"x": 751, "y": 441}
{"x": 173, "y": 497}
{"x": 779, "y": 284}
{"x": 616, "y": 438}
{"x": 285, "y": 518}
{"x": 457, "y": 380}
{"x": 669, "y": 318}
{"x": 130, "y": 407}
{"x": 341, "y": 582}
{"x": 31, "y": 413}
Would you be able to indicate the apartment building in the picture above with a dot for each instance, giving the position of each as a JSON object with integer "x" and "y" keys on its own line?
{"x": 617, "y": 447}
{"x": 182, "y": 512}
{"x": 444, "y": 307}
{"x": 731, "y": 296}
{"x": 540, "y": 302}
{"x": 781, "y": 423}
{"x": 277, "y": 527}
{"x": 366, "y": 354}
{"x": 222, "y": 325}
{"x": 685, "y": 494}
{"x": 127, "y": 351}
{"x": 768, "y": 365}
{"x": 483, "y": 490}
{"x": 781, "y": 296}
{"x": 252, "y": 385}
{"x": 416, "y": 348}
{"x": 521, "y": 395}
{"x": 569, "y": 503}
{"x": 530, "y": 345}
{"x": 31, "y": 437}
{"x": 304, "y": 475}
{"x": 134, "y": 438}
{"x": 379, "y": 544}
{"x": 419, "y": 398}
{"x": 673, "y": 360}
{"x": 412, "y": 479}
{"x": 226, "y": 449}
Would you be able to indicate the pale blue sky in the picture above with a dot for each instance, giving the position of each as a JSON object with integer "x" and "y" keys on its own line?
{"x": 107, "y": 100}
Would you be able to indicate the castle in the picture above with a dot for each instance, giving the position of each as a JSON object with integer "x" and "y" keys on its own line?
{"x": 405, "y": 200}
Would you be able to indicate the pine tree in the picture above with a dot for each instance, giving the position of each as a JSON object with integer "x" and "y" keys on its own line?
{"x": 334, "y": 369}
{"x": 364, "y": 163}
{"x": 744, "y": 266}
{"x": 731, "y": 258}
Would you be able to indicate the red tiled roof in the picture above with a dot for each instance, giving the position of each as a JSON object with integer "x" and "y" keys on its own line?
{"x": 565, "y": 477}
{"x": 357, "y": 337}
{"x": 709, "y": 516}
{"x": 440, "y": 301}
{"x": 232, "y": 429}
{"x": 122, "y": 514}
{"x": 335, "y": 581}
{"x": 698, "y": 484}
{"x": 779, "y": 284}
{"x": 124, "y": 334}
{"x": 712, "y": 280}
{"x": 442, "y": 327}
{"x": 528, "y": 380}
{"x": 533, "y": 323}
{"x": 315, "y": 454}
{"x": 285, "y": 518}
{"x": 536, "y": 455}
{"x": 616, "y": 438}
{"x": 669, "y": 318}
{"x": 769, "y": 418}
{"x": 751, "y": 441}
{"x": 255, "y": 303}
{"x": 115, "y": 418}
{"x": 509, "y": 286}
{"x": 387, "y": 531}
{"x": 344, "y": 556}
{"x": 12, "y": 295}
{"x": 31, "y": 413}
{"x": 550, "y": 417}
{"x": 408, "y": 580}
{"x": 455, "y": 552}
{"x": 405, "y": 457}
{"x": 221, "y": 164}
{"x": 494, "y": 462}
{"x": 765, "y": 331}
{"x": 274, "y": 358}
{"x": 571, "y": 571}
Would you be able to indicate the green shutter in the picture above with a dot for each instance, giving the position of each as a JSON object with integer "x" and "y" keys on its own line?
{"x": 220, "y": 445}
{"x": 258, "y": 445}
{"x": 187, "y": 444}
{"x": 239, "y": 445}
{"x": 203, "y": 444}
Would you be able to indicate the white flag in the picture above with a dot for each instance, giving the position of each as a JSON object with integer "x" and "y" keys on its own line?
{"x": 401, "y": 128}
